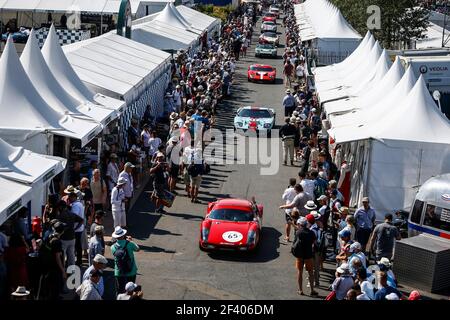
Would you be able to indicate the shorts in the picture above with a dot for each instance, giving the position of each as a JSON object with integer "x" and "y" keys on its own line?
{"x": 308, "y": 263}
{"x": 174, "y": 171}
{"x": 288, "y": 217}
{"x": 186, "y": 178}
{"x": 196, "y": 181}
{"x": 158, "y": 190}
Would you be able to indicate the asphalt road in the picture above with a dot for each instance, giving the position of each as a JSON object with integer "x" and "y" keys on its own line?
{"x": 171, "y": 266}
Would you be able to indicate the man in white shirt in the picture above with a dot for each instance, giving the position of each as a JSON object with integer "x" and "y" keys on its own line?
{"x": 112, "y": 172}
{"x": 117, "y": 204}
{"x": 307, "y": 184}
{"x": 88, "y": 290}
{"x": 99, "y": 264}
{"x": 128, "y": 187}
{"x": 177, "y": 98}
{"x": 77, "y": 208}
{"x": 288, "y": 196}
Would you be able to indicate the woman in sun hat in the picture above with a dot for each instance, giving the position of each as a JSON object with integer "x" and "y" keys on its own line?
{"x": 123, "y": 272}
{"x": 343, "y": 281}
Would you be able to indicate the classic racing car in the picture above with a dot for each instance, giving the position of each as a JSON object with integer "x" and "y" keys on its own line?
{"x": 265, "y": 49}
{"x": 231, "y": 224}
{"x": 269, "y": 17}
{"x": 254, "y": 118}
{"x": 269, "y": 37}
{"x": 268, "y": 26}
{"x": 261, "y": 72}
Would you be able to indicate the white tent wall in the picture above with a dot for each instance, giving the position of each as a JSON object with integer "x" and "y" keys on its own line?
{"x": 398, "y": 169}
{"x": 335, "y": 50}
{"x": 37, "y": 142}
{"x": 12, "y": 193}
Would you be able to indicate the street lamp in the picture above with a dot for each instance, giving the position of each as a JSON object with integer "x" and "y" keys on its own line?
{"x": 437, "y": 97}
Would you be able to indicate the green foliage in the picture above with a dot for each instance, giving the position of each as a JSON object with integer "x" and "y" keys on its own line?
{"x": 399, "y": 21}
{"x": 215, "y": 11}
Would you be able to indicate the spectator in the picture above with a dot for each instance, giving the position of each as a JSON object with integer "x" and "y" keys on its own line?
{"x": 383, "y": 238}
{"x": 365, "y": 220}
{"x": 307, "y": 184}
{"x": 77, "y": 208}
{"x": 128, "y": 187}
{"x": 288, "y": 196}
{"x": 367, "y": 290}
{"x": 112, "y": 173}
{"x": 385, "y": 289}
{"x": 158, "y": 171}
{"x": 88, "y": 290}
{"x": 67, "y": 238}
{"x": 95, "y": 244}
{"x": 15, "y": 257}
{"x": 132, "y": 291}
{"x": 302, "y": 248}
{"x": 97, "y": 222}
{"x": 287, "y": 134}
{"x": 299, "y": 201}
{"x": 125, "y": 268}
{"x": 343, "y": 282}
{"x": 99, "y": 264}
{"x": 99, "y": 190}
{"x": 118, "y": 203}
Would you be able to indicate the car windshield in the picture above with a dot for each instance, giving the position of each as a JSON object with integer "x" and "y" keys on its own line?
{"x": 231, "y": 215}
{"x": 268, "y": 23}
{"x": 255, "y": 113}
{"x": 267, "y": 69}
{"x": 265, "y": 46}
{"x": 270, "y": 15}
{"x": 270, "y": 34}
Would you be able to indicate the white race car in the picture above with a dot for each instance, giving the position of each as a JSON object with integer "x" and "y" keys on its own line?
{"x": 255, "y": 119}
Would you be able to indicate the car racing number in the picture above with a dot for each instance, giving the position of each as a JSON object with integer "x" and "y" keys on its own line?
{"x": 232, "y": 236}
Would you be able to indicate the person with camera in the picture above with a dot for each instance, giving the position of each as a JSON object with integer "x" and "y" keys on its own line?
{"x": 118, "y": 203}
{"x": 159, "y": 172}
{"x": 132, "y": 292}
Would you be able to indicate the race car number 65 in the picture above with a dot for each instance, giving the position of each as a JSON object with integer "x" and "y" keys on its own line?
{"x": 232, "y": 236}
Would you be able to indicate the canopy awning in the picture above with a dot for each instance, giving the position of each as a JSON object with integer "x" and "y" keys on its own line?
{"x": 14, "y": 196}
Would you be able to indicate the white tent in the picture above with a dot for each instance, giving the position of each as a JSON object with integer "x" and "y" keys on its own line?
{"x": 403, "y": 149}
{"x": 321, "y": 21}
{"x": 199, "y": 20}
{"x": 55, "y": 95}
{"x": 374, "y": 62}
{"x": 367, "y": 99}
{"x": 69, "y": 80}
{"x": 361, "y": 88}
{"x": 433, "y": 37}
{"x": 14, "y": 196}
{"x": 117, "y": 66}
{"x": 31, "y": 112}
{"x": 26, "y": 175}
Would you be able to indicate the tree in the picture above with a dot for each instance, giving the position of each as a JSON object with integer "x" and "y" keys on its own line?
{"x": 401, "y": 20}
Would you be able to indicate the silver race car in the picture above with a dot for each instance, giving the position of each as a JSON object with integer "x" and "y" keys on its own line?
{"x": 255, "y": 119}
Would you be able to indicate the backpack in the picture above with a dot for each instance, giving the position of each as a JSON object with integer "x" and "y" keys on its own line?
{"x": 123, "y": 259}
{"x": 296, "y": 247}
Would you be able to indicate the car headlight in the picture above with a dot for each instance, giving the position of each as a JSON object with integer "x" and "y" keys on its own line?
{"x": 251, "y": 237}
{"x": 205, "y": 234}
{"x": 239, "y": 124}
{"x": 267, "y": 125}
{"x": 252, "y": 75}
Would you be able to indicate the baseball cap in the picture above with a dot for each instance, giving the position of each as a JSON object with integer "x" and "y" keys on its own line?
{"x": 414, "y": 295}
{"x": 355, "y": 246}
{"x": 310, "y": 218}
{"x": 302, "y": 221}
{"x": 365, "y": 199}
{"x": 130, "y": 286}
{"x": 345, "y": 233}
{"x": 392, "y": 296}
{"x": 129, "y": 165}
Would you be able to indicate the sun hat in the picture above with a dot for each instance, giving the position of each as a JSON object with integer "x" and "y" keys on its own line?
{"x": 121, "y": 181}
{"x": 310, "y": 205}
{"x": 316, "y": 215}
{"x": 355, "y": 246}
{"x": 343, "y": 268}
{"x": 119, "y": 232}
{"x": 100, "y": 259}
{"x": 392, "y": 296}
{"x": 160, "y": 154}
{"x": 173, "y": 115}
{"x": 343, "y": 209}
{"x": 129, "y": 165}
{"x": 310, "y": 218}
{"x": 130, "y": 286}
{"x": 302, "y": 221}
{"x": 365, "y": 199}
{"x": 345, "y": 233}
{"x": 70, "y": 189}
{"x": 21, "y": 291}
{"x": 99, "y": 228}
{"x": 385, "y": 262}
{"x": 288, "y": 91}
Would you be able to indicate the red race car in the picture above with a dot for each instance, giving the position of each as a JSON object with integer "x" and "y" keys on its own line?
{"x": 261, "y": 72}
{"x": 231, "y": 224}
{"x": 270, "y": 17}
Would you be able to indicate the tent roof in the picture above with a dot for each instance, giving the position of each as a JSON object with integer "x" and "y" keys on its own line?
{"x": 322, "y": 19}
{"x": 197, "y": 19}
{"x": 54, "y": 94}
{"x": 115, "y": 63}
{"x": 170, "y": 16}
{"x": 14, "y": 196}
{"x": 62, "y": 70}
{"x": 27, "y": 167}
{"x": 97, "y": 6}
{"x": 433, "y": 37}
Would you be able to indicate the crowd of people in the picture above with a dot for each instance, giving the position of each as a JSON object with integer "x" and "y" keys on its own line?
{"x": 316, "y": 202}
{"x": 71, "y": 232}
